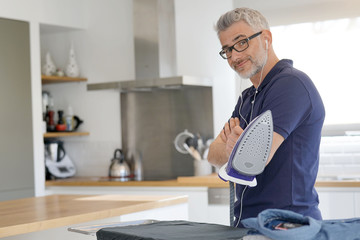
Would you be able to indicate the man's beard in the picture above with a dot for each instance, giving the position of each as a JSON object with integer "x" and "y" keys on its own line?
{"x": 256, "y": 66}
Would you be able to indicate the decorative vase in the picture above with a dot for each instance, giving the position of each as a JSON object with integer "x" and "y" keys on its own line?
{"x": 49, "y": 67}
{"x": 72, "y": 68}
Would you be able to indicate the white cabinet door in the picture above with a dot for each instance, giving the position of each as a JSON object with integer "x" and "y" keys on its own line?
{"x": 219, "y": 206}
{"x": 357, "y": 204}
{"x": 16, "y": 138}
{"x": 339, "y": 203}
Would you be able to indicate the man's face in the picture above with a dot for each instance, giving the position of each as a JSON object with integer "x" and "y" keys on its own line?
{"x": 249, "y": 62}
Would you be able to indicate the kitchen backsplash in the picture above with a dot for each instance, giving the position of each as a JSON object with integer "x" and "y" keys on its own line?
{"x": 340, "y": 157}
{"x": 91, "y": 158}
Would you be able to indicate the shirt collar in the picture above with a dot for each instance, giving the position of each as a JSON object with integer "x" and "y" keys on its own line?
{"x": 275, "y": 70}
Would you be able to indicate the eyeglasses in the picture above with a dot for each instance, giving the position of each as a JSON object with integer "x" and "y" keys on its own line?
{"x": 239, "y": 46}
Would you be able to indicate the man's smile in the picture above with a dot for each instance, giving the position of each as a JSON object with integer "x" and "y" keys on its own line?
{"x": 239, "y": 65}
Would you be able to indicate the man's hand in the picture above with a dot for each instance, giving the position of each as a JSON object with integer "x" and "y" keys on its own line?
{"x": 232, "y": 132}
{"x": 223, "y": 144}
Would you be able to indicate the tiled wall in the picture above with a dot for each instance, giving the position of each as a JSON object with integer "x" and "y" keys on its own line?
{"x": 91, "y": 158}
{"x": 340, "y": 156}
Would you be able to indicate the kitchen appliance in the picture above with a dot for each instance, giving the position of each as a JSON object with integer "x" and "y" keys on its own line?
{"x": 134, "y": 159}
{"x": 249, "y": 156}
{"x": 119, "y": 169}
{"x": 57, "y": 162}
{"x": 250, "y": 153}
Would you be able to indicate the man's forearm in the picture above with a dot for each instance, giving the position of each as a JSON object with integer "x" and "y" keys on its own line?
{"x": 217, "y": 154}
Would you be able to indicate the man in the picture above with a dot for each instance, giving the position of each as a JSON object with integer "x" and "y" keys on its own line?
{"x": 298, "y": 115}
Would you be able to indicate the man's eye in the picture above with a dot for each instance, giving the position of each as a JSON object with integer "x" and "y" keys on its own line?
{"x": 242, "y": 43}
{"x": 225, "y": 51}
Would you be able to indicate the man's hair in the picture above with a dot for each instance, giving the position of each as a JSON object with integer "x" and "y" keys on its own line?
{"x": 250, "y": 16}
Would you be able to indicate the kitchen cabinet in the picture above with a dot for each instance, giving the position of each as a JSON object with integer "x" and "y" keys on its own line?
{"x": 339, "y": 203}
{"x": 16, "y": 138}
{"x": 357, "y": 204}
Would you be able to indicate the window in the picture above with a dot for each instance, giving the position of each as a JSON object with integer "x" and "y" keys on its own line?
{"x": 329, "y": 52}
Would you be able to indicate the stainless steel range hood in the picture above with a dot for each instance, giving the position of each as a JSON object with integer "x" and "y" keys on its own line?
{"x": 155, "y": 51}
{"x": 152, "y": 84}
{"x": 159, "y": 104}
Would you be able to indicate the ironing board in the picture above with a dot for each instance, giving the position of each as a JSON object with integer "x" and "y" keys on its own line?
{"x": 161, "y": 230}
{"x": 174, "y": 230}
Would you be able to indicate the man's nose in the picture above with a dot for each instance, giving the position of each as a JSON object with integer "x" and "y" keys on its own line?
{"x": 235, "y": 54}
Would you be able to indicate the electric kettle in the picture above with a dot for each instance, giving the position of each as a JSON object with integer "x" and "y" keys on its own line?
{"x": 119, "y": 168}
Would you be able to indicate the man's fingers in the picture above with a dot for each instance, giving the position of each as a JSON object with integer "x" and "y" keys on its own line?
{"x": 232, "y": 123}
{"x": 237, "y": 131}
{"x": 227, "y": 129}
{"x": 237, "y": 122}
{"x": 223, "y": 136}
{"x": 231, "y": 133}
{"x": 232, "y": 138}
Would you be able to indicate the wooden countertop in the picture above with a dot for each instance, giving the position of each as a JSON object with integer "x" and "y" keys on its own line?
{"x": 40, "y": 213}
{"x": 211, "y": 181}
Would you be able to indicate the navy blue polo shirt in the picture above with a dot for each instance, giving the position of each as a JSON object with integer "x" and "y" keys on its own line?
{"x": 298, "y": 115}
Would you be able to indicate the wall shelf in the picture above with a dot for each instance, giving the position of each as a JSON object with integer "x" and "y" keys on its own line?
{"x": 65, "y": 134}
{"x": 56, "y": 79}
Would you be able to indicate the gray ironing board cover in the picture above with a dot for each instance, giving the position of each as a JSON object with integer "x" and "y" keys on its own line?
{"x": 172, "y": 230}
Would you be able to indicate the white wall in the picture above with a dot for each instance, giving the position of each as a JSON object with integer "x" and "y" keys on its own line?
{"x": 45, "y": 11}
{"x": 197, "y": 52}
{"x": 104, "y": 52}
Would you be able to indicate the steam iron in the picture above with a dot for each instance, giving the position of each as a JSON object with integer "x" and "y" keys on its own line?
{"x": 250, "y": 153}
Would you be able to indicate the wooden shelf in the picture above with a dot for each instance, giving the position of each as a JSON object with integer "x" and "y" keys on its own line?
{"x": 65, "y": 134}
{"x": 56, "y": 79}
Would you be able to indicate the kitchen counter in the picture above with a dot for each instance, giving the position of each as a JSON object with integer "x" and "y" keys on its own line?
{"x": 209, "y": 194}
{"x": 40, "y": 213}
{"x": 200, "y": 181}
{"x": 211, "y": 181}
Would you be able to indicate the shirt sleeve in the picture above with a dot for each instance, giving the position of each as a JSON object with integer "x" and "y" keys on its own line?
{"x": 290, "y": 103}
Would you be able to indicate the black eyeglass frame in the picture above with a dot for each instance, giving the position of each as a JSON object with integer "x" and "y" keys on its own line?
{"x": 223, "y": 52}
